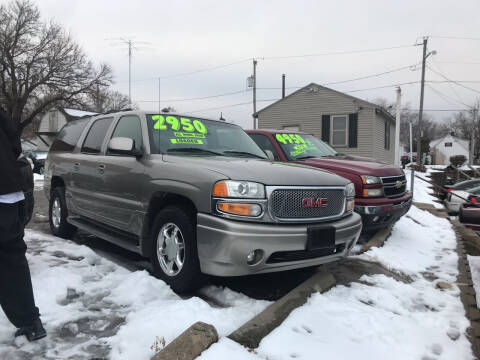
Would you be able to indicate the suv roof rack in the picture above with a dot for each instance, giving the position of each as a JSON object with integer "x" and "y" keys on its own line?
{"x": 119, "y": 110}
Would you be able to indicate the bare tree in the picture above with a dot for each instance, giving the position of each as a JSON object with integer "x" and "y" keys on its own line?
{"x": 429, "y": 127}
{"x": 40, "y": 64}
{"x": 103, "y": 100}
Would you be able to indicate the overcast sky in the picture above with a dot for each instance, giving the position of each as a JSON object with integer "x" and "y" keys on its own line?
{"x": 183, "y": 36}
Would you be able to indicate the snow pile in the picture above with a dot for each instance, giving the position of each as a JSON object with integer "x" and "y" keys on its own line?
{"x": 421, "y": 189}
{"x": 474, "y": 262}
{"x": 95, "y": 308}
{"x": 379, "y": 317}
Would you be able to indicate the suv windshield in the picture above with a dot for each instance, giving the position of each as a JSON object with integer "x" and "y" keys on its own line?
{"x": 303, "y": 146}
{"x": 185, "y": 135}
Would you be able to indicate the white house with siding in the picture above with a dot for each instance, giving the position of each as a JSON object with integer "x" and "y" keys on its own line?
{"x": 442, "y": 149}
{"x": 54, "y": 119}
{"x": 351, "y": 125}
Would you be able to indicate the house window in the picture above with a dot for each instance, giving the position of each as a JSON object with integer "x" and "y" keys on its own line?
{"x": 339, "y": 130}
{"x": 387, "y": 135}
{"x": 448, "y": 144}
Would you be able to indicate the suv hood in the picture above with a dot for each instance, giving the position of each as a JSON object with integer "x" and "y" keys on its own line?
{"x": 262, "y": 171}
{"x": 354, "y": 165}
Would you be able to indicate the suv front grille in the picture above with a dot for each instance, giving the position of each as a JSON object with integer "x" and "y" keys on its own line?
{"x": 289, "y": 203}
{"x": 394, "y": 186}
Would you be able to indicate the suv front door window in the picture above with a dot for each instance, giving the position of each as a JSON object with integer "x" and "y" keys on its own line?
{"x": 119, "y": 202}
{"x": 129, "y": 127}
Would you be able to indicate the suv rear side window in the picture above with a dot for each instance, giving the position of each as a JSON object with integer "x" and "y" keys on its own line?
{"x": 67, "y": 137}
{"x": 94, "y": 140}
{"x": 129, "y": 127}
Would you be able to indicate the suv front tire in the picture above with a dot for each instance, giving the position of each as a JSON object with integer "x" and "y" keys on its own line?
{"x": 174, "y": 254}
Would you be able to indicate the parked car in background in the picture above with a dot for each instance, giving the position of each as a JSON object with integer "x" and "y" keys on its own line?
{"x": 38, "y": 160}
{"x": 196, "y": 196}
{"x": 469, "y": 213}
{"x": 405, "y": 159}
{"x": 462, "y": 185}
{"x": 456, "y": 198}
{"x": 381, "y": 193}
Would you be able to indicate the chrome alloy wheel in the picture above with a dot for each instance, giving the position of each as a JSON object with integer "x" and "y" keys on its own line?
{"x": 170, "y": 249}
{"x": 56, "y": 213}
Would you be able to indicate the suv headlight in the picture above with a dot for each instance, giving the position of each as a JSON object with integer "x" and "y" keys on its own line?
{"x": 239, "y": 189}
{"x": 350, "y": 190}
{"x": 350, "y": 194}
{"x": 370, "y": 180}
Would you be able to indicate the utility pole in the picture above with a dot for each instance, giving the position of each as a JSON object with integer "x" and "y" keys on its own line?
{"x": 472, "y": 136}
{"x": 420, "y": 115}
{"x": 412, "y": 169}
{"x": 129, "y": 42}
{"x": 397, "y": 127}
{"x": 159, "y": 99}
{"x": 254, "y": 93}
{"x": 132, "y": 45}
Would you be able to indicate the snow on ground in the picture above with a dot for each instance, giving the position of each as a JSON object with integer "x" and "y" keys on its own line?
{"x": 38, "y": 181}
{"x": 421, "y": 189}
{"x": 92, "y": 306}
{"x": 379, "y": 317}
{"x": 474, "y": 262}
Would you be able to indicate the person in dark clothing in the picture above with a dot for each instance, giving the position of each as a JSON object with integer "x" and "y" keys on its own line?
{"x": 16, "y": 293}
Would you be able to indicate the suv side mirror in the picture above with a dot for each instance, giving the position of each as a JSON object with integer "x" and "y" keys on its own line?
{"x": 269, "y": 154}
{"x": 123, "y": 146}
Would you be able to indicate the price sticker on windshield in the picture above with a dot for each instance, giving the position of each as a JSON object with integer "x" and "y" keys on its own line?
{"x": 182, "y": 125}
{"x": 187, "y": 141}
{"x": 290, "y": 139}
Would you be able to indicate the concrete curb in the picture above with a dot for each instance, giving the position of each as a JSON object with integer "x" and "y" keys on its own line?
{"x": 467, "y": 291}
{"x": 467, "y": 242}
{"x": 189, "y": 344}
{"x": 252, "y": 332}
{"x": 377, "y": 240}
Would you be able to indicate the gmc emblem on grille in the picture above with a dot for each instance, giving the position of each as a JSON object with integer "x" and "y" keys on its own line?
{"x": 312, "y": 202}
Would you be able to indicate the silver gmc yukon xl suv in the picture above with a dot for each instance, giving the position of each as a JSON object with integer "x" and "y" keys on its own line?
{"x": 195, "y": 196}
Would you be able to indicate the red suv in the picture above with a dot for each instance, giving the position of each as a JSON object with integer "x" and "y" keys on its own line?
{"x": 381, "y": 189}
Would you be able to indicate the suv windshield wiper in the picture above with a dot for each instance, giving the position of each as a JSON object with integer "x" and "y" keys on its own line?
{"x": 306, "y": 157}
{"x": 244, "y": 153}
{"x": 195, "y": 150}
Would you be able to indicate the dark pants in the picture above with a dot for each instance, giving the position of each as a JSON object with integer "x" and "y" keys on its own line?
{"x": 16, "y": 294}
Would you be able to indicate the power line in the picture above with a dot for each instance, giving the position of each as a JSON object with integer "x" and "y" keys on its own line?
{"x": 449, "y": 84}
{"x": 460, "y": 62}
{"x": 455, "y": 82}
{"x": 198, "y": 98}
{"x": 384, "y": 87}
{"x": 334, "y": 53}
{"x": 191, "y": 72}
{"x": 454, "y": 37}
{"x": 272, "y": 58}
{"x": 446, "y": 97}
{"x": 229, "y": 106}
{"x": 373, "y": 75}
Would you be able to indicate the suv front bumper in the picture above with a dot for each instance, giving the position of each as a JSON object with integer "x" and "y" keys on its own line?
{"x": 379, "y": 216}
{"x": 223, "y": 245}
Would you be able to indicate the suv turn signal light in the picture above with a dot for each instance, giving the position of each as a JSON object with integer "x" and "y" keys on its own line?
{"x": 240, "y": 209}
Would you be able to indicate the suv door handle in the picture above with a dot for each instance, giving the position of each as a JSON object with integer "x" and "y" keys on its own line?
{"x": 76, "y": 166}
{"x": 101, "y": 168}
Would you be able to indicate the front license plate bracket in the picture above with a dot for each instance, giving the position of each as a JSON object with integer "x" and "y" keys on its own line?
{"x": 320, "y": 238}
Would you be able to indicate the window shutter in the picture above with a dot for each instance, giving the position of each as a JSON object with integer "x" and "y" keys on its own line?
{"x": 326, "y": 128}
{"x": 352, "y": 130}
